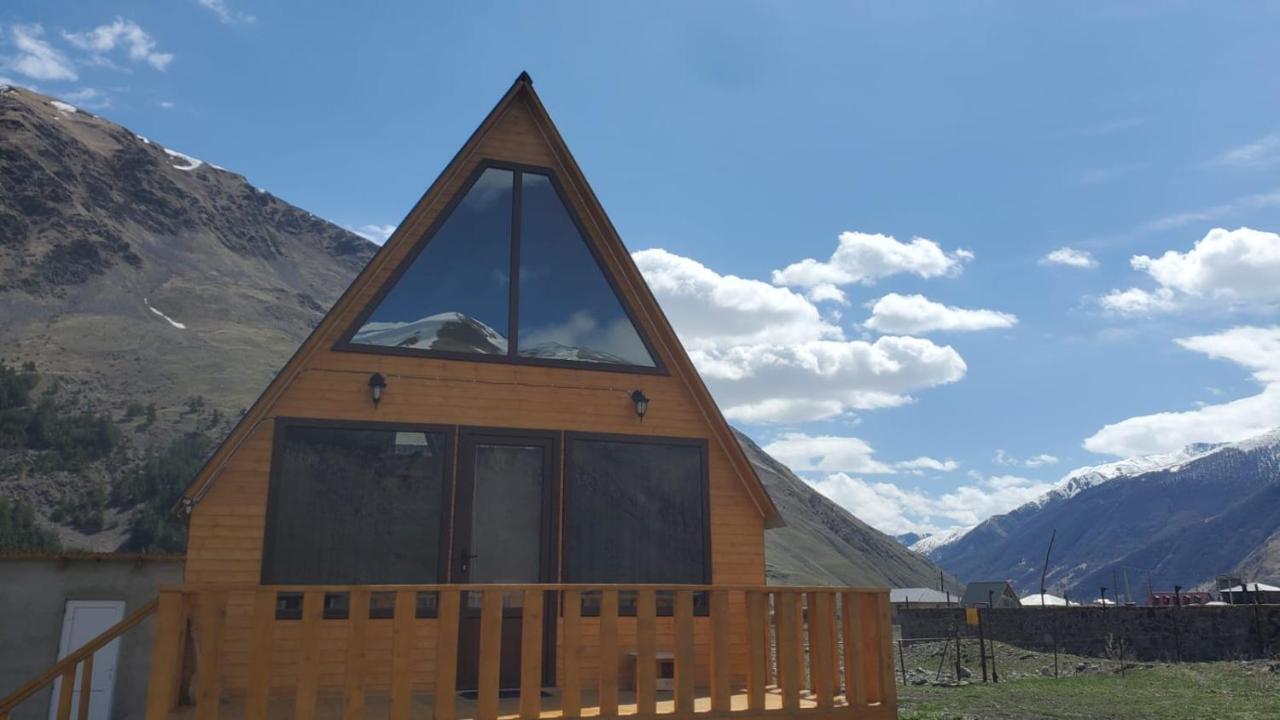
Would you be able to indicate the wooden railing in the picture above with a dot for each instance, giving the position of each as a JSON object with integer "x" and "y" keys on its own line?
{"x": 80, "y": 659}
{"x": 758, "y": 651}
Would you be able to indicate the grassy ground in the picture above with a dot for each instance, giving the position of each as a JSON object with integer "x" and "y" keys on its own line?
{"x": 1097, "y": 691}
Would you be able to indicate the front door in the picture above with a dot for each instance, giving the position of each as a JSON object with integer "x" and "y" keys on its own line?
{"x": 504, "y": 532}
{"x": 83, "y": 621}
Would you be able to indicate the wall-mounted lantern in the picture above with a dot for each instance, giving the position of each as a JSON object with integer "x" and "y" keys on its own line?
{"x": 641, "y": 403}
{"x": 377, "y": 384}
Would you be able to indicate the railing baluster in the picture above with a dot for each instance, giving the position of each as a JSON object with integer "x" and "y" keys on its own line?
{"x": 608, "y": 653}
{"x": 167, "y": 654}
{"x": 213, "y": 614}
{"x": 571, "y": 650}
{"x": 855, "y": 684}
{"x": 86, "y": 687}
{"x": 685, "y": 664}
{"x": 357, "y": 624}
{"x": 531, "y": 656}
{"x": 720, "y": 656}
{"x": 402, "y": 637}
{"x": 64, "y": 693}
{"x": 758, "y": 646}
{"x": 308, "y": 681}
{"x": 884, "y": 650}
{"x": 821, "y": 641}
{"x": 490, "y": 655}
{"x": 450, "y": 603}
{"x": 646, "y": 651}
{"x": 787, "y": 611}
{"x": 264, "y": 621}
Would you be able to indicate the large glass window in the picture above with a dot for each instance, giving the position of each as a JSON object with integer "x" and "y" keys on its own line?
{"x": 455, "y": 296}
{"x": 635, "y": 511}
{"x": 568, "y": 311}
{"x": 355, "y": 506}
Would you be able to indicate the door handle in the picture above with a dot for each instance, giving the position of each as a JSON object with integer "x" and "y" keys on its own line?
{"x": 466, "y": 558}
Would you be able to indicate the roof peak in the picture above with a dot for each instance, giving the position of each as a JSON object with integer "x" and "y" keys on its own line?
{"x": 523, "y": 77}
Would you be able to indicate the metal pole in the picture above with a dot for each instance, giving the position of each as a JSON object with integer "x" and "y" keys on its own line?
{"x": 1045, "y": 571}
{"x": 902, "y": 663}
{"x": 1177, "y": 629}
{"x": 957, "y": 652}
{"x": 982, "y": 646}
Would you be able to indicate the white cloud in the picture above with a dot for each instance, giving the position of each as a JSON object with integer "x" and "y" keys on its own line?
{"x": 916, "y": 314}
{"x": 769, "y": 355}
{"x": 802, "y": 452}
{"x": 374, "y": 233}
{"x": 865, "y": 258}
{"x": 88, "y": 97}
{"x": 1262, "y": 152}
{"x": 1070, "y": 257}
{"x": 894, "y": 510}
{"x": 1003, "y": 458}
{"x": 126, "y": 34}
{"x": 36, "y": 58}
{"x": 1041, "y": 459}
{"x": 1234, "y": 269}
{"x": 224, "y": 12}
{"x": 1246, "y": 203}
{"x": 166, "y": 104}
{"x": 923, "y": 463}
{"x": 1256, "y": 348}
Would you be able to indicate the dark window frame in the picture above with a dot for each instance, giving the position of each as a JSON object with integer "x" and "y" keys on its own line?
{"x": 345, "y": 344}
{"x": 279, "y": 430}
{"x": 570, "y": 438}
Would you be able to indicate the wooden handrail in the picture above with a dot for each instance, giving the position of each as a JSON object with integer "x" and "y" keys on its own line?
{"x": 512, "y": 587}
{"x": 67, "y": 664}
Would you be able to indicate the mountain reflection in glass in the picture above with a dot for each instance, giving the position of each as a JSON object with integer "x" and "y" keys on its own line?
{"x": 568, "y": 311}
{"x": 455, "y": 295}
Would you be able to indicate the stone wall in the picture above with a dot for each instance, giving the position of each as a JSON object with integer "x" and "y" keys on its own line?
{"x": 1147, "y": 633}
{"x": 33, "y": 595}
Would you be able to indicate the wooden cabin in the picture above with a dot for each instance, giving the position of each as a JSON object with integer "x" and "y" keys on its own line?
{"x": 491, "y": 482}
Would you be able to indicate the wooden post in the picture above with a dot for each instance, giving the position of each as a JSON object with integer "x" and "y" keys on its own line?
{"x": 884, "y": 651}
{"x": 490, "y": 655}
{"x": 787, "y": 604}
{"x": 167, "y": 655}
{"x": 64, "y": 694}
{"x": 402, "y": 626}
{"x": 821, "y": 655}
{"x": 757, "y": 640}
{"x": 86, "y": 687}
{"x": 571, "y": 650}
{"x": 212, "y": 609}
{"x": 855, "y": 687}
{"x": 685, "y": 665}
{"x": 446, "y": 654}
{"x": 720, "y": 656}
{"x": 531, "y": 656}
{"x": 608, "y": 653}
{"x": 357, "y": 624}
{"x": 308, "y": 682}
{"x": 646, "y": 651}
{"x": 261, "y": 644}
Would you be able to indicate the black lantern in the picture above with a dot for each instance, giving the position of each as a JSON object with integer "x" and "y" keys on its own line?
{"x": 377, "y": 384}
{"x": 641, "y": 402}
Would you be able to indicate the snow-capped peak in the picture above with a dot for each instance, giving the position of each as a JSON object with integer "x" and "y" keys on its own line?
{"x": 1088, "y": 476}
{"x": 929, "y": 543}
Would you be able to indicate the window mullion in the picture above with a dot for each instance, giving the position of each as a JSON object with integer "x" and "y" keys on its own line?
{"x": 513, "y": 306}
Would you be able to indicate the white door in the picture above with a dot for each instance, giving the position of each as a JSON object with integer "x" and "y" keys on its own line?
{"x": 83, "y": 621}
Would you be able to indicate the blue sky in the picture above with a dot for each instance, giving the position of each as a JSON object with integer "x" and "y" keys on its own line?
{"x": 741, "y": 139}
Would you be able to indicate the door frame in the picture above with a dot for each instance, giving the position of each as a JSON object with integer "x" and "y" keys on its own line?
{"x": 549, "y": 542}
{"x": 64, "y": 649}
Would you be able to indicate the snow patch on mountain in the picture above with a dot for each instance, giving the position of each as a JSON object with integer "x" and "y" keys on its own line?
{"x": 170, "y": 320}
{"x": 1083, "y": 478}
{"x": 929, "y": 543}
{"x": 445, "y": 331}
{"x": 186, "y": 161}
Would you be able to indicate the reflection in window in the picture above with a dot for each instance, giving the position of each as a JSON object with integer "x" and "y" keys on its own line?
{"x": 568, "y": 311}
{"x": 353, "y": 507}
{"x": 455, "y": 295}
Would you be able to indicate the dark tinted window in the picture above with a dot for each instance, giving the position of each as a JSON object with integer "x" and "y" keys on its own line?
{"x": 354, "y": 506}
{"x": 455, "y": 296}
{"x": 568, "y": 311}
{"x": 635, "y": 512}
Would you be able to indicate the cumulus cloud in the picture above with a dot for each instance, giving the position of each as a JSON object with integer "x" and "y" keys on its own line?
{"x": 374, "y": 233}
{"x": 1255, "y": 348}
{"x": 895, "y": 510}
{"x": 1232, "y": 269}
{"x": 89, "y": 98}
{"x": 125, "y": 34}
{"x": 769, "y": 355}
{"x": 1041, "y": 459}
{"x": 923, "y": 463}
{"x": 802, "y": 452}
{"x": 1263, "y": 152}
{"x": 224, "y": 13}
{"x": 865, "y": 257}
{"x": 915, "y": 314}
{"x": 36, "y": 58}
{"x": 1070, "y": 257}
{"x": 1003, "y": 458}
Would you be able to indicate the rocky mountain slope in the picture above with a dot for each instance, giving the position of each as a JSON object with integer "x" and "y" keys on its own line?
{"x": 149, "y": 296}
{"x": 1178, "y": 519}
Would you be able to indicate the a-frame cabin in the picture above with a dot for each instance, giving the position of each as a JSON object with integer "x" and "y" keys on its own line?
{"x": 492, "y": 482}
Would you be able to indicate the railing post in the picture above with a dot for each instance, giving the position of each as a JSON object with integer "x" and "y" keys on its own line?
{"x": 685, "y": 663}
{"x": 211, "y": 613}
{"x": 167, "y": 655}
{"x": 490, "y": 654}
{"x": 450, "y": 604}
{"x": 855, "y": 686}
{"x": 821, "y": 644}
{"x": 261, "y": 646}
{"x": 721, "y": 658}
{"x": 789, "y": 669}
{"x": 86, "y": 687}
{"x": 884, "y": 634}
{"x": 646, "y": 651}
{"x": 357, "y": 624}
{"x": 64, "y": 694}
{"x": 531, "y": 655}
{"x": 608, "y": 653}
{"x": 571, "y": 650}
{"x": 758, "y": 646}
{"x": 308, "y": 680}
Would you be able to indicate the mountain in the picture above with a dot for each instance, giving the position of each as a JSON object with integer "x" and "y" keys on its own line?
{"x": 147, "y": 297}
{"x": 144, "y": 286}
{"x": 450, "y": 331}
{"x": 823, "y": 544}
{"x": 1182, "y": 519}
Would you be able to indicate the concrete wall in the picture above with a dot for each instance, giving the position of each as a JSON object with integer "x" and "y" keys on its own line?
{"x": 1149, "y": 633}
{"x": 33, "y": 595}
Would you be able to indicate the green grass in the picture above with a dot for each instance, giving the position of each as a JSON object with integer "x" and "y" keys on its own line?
{"x": 1164, "y": 692}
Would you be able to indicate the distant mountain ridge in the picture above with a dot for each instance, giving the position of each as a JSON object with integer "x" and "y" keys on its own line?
{"x": 1181, "y": 518}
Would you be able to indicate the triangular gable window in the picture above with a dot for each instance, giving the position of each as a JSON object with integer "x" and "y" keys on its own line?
{"x": 456, "y": 298}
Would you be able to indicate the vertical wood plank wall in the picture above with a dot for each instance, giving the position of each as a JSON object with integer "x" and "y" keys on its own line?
{"x": 226, "y": 529}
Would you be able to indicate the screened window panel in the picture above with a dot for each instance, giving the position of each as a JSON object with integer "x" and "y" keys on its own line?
{"x": 568, "y": 310}
{"x": 635, "y": 512}
{"x": 455, "y": 296}
{"x": 356, "y": 506}
{"x": 506, "y": 514}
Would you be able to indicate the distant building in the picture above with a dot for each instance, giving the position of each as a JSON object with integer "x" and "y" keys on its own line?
{"x": 997, "y": 593}
{"x": 919, "y": 597}
{"x": 1044, "y": 600}
{"x": 1167, "y": 599}
{"x": 1250, "y": 593}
